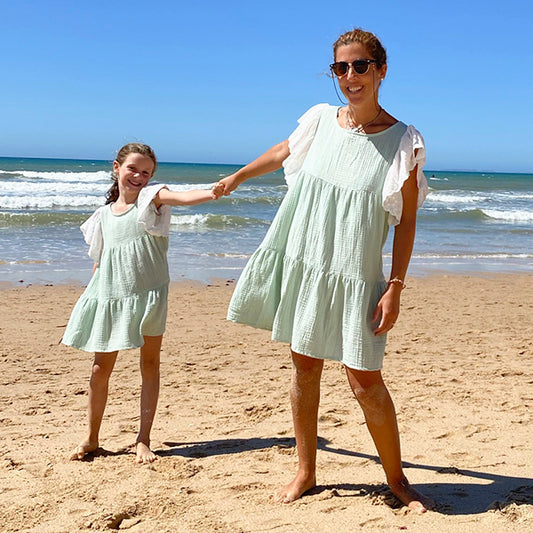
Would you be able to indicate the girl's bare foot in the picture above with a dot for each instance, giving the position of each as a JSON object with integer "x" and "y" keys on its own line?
{"x": 413, "y": 499}
{"x": 144, "y": 454}
{"x": 298, "y": 486}
{"x": 86, "y": 447}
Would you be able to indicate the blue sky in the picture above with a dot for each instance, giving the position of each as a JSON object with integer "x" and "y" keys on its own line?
{"x": 220, "y": 82}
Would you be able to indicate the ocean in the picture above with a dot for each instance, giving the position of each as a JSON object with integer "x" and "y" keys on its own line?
{"x": 470, "y": 223}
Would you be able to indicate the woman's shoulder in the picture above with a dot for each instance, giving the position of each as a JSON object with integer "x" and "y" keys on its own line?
{"x": 314, "y": 112}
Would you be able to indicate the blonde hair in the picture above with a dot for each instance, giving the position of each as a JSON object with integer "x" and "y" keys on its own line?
{"x": 368, "y": 40}
{"x": 130, "y": 148}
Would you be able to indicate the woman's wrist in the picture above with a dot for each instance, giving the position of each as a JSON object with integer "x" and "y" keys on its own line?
{"x": 396, "y": 282}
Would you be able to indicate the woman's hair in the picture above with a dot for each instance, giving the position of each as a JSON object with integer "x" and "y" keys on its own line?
{"x": 368, "y": 40}
{"x": 130, "y": 148}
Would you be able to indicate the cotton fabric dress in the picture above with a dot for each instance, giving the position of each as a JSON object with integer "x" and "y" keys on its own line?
{"x": 317, "y": 276}
{"x": 127, "y": 296}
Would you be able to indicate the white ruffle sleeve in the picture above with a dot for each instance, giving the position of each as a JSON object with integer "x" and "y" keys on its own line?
{"x": 411, "y": 152}
{"x": 154, "y": 221}
{"x": 92, "y": 233}
{"x": 300, "y": 140}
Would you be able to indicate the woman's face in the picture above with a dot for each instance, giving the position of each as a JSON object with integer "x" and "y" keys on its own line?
{"x": 359, "y": 89}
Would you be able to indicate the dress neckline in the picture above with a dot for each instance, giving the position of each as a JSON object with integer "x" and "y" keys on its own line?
{"x": 123, "y": 212}
{"x": 362, "y": 133}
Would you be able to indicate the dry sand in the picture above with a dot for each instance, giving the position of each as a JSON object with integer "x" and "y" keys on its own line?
{"x": 459, "y": 366}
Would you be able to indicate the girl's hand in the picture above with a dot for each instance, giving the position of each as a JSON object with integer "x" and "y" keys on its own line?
{"x": 387, "y": 310}
{"x": 217, "y": 190}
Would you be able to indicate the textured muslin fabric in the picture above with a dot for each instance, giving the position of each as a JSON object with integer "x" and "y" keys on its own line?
{"x": 128, "y": 293}
{"x": 317, "y": 276}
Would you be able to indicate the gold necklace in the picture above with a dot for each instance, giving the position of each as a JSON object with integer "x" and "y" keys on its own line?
{"x": 359, "y": 128}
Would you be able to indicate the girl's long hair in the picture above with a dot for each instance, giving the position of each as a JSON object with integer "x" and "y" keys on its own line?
{"x": 130, "y": 148}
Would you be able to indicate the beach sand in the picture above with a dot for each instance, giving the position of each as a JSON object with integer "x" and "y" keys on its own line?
{"x": 459, "y": 366}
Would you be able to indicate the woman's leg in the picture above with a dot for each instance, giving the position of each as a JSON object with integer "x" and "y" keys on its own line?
{"x": 305, "y": 397}
{"x": 150, "y": 359}
{"x": 98, "y": 388}
{"x": 380, "y": 416}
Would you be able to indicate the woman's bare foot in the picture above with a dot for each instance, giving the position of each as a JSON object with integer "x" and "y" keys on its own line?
{"x": 413, "y": 499}
{"x": 86, "y": 447}
{"x": 298, "y": 486}
{"x": 144, "y": 454}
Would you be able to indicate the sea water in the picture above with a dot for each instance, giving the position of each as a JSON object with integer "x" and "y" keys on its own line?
{"x": 470, "y": 222}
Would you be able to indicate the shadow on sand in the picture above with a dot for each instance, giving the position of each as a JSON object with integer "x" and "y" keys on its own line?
{"x": 474, "y": 492}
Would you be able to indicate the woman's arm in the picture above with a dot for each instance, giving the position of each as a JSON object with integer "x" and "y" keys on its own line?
{"x": 270, "y": 161}
{"x": 388, "y": 307}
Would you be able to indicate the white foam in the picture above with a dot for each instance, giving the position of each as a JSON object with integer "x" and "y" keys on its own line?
{"x": 189, "y": 220}
{"x": 456, "y": 198}
{"x": 512, "y": 216}
{"x": 60, "y": 176}
{"x": 49, "y": 202}
{"x": 26, "y": 188}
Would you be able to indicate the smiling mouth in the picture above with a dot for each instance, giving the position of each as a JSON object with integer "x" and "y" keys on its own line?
{"x": 354, "y": 90}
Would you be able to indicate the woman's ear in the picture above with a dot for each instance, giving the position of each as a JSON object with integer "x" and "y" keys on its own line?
{"x": 382, "y": 72}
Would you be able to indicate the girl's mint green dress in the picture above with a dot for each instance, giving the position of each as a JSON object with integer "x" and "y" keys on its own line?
{"x": 127, "y": 295}
{"x": 317, "y": 276}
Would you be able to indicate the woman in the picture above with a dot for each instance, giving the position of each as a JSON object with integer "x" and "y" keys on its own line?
{"x": 316, "y": 280}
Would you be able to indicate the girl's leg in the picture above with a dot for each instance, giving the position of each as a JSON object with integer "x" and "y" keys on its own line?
{"x": 305, "y": 397}
{"x": 380, "y": 416}
{"x": 98, "y": 387}
{"x": 150, "y": 358}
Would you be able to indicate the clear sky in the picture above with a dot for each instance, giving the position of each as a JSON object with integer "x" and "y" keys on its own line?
{"x": 221, "y": 81}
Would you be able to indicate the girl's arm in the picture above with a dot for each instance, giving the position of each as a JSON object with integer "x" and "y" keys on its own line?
{"x": 388, "y": 307}
{"x": 270, "y": 161}
{"x": 197, "y": 196}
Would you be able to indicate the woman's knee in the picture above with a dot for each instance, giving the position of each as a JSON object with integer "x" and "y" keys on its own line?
{"x": 367, "y": 386}
{"x": 304, "y": 365}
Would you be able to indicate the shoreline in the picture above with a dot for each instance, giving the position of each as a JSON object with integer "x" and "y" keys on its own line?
{"x": 459, "y": 367}
{"x": 215, "y": 281}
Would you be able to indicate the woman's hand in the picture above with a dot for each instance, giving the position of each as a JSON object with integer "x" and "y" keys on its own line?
{"x": 229, "y": 183}
{"x": 387, "y": 310}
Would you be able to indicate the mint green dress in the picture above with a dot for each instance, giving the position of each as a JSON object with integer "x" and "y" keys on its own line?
{"x": 317, "y": 276}
{"x": 127, "y": 296}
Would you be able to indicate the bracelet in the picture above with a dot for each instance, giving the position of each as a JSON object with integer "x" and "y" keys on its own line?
{"x": 398, "y": 281}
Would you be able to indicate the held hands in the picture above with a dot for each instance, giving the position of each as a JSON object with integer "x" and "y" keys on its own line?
{"x": 387, "y": 310}
{"x": 224, "y": 187}
{"x": 217, "y": 190}
{"x": 229, "y": 183}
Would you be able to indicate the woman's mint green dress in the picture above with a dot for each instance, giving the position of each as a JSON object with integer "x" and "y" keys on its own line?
{"x": 317, "y": 276}
{"x": 127, "y": 296}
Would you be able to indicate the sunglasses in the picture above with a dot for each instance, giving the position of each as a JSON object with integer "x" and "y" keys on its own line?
{"x": 360, "y": 66}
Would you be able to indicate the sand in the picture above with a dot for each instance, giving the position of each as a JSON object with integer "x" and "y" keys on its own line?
{"x": 459, "y": 366}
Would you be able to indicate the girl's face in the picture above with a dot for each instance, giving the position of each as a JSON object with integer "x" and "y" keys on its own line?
{"x": 134, "y": 173}
{"x": 359, "y": 89}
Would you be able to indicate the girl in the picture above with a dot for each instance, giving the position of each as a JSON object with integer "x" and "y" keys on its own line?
{"x": 125, "y": 304}
{"x": 316, "y": 280}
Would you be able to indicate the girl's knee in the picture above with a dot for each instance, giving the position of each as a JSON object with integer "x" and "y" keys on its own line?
{"x": 150, "y": 366}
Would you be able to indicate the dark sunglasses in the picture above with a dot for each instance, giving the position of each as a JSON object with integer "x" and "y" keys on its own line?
{"x": 360, "y": 66}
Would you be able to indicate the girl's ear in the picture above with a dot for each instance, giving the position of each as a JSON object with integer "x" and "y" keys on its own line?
{"x": 116, "y": 166}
